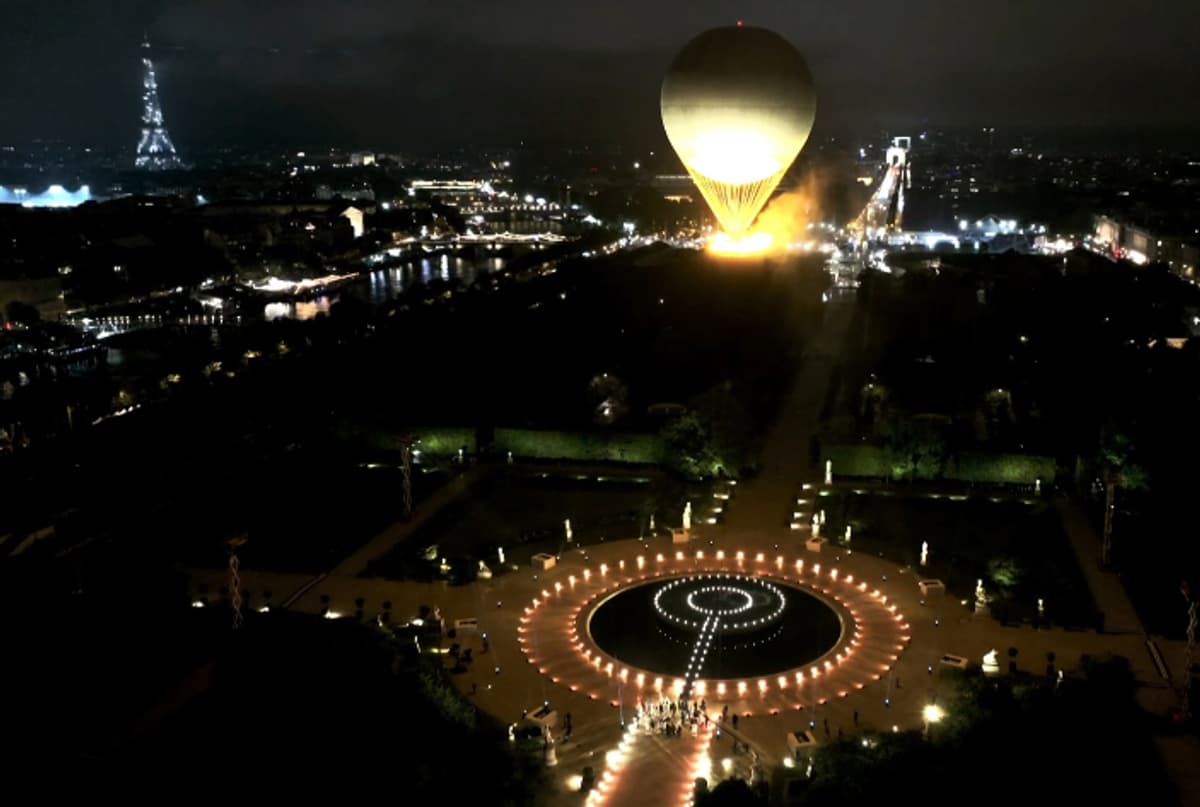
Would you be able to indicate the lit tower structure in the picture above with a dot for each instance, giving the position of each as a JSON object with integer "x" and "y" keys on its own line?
{"x": 155, "y": 151}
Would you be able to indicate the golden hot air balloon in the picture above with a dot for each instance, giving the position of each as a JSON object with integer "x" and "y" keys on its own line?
{"x": 738, "y": 105}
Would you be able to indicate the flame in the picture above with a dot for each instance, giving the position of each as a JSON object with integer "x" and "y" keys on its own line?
{"x": 745, "y": 246}
{"x": 782, "y": 224}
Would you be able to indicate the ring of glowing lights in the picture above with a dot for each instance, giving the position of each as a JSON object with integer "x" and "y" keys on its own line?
{"x": 553, "y": 636}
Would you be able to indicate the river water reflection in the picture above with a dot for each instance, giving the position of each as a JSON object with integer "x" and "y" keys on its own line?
{"x": 383, "y": 284}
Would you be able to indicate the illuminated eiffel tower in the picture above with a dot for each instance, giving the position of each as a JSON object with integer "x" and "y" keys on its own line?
{"x": 155, "y": 151}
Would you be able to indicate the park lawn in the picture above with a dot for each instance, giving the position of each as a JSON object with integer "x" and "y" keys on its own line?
{"x": 966, "y": 536}
{"x": 522, "y": 509}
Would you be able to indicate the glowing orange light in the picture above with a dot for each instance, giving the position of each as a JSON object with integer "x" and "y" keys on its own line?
{"x": 745, "y": 246}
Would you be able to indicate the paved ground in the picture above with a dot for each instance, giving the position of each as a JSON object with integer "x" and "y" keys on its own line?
{"x": 382, "y": 543}
{"x": 1107, "y": 590}
{"x": 659, "y": 770}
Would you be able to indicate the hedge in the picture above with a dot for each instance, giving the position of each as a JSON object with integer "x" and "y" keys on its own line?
{"x": 586, "y": 446}
{"x": 850, "y": 459}
{"x": 443, "y": 441}
{"x": 1007, "y": 469}
{"x": 867, "y": 460}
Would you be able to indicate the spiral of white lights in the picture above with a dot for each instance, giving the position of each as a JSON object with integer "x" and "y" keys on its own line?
{"x": 692, "y": 599}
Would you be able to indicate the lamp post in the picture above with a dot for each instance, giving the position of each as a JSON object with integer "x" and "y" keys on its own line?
{"x": 235, "y": 579}
{"x": 932, "y": 714}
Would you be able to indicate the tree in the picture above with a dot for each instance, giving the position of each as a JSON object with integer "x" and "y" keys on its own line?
{"x": 1005, "y": 572}
{"x": 688, "y": 444}
{"x": 608, "y": 397}
{"x": 22, "y": 313}
{"x": 873, "y": 407}
{"x": 916, "y": 449}
{"x": 730, "y": 427}
{"x": 730, "y": 793}
{"x": 1117, "y": 458}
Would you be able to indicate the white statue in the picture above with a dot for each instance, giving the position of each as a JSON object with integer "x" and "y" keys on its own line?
{"x": 1037, "y": 486}
{"x": 980, "y": 595}
{"x": 1041, "y": 607}
{"x": 500, "y": 553}
{"x": 567, "y": 527}
{"x": 924, "y": 553}
{"x": 483, "y": 573}
{"x": 651, "y": 523}
{"x": 990, "y": 662}
{"x": 828, "y": 472}
{"x": 510, "y": 458}
{"x": 848, "y": 532}
{"x": 687, "y": 516}
{"x": 822, "y": 518}
{"x": 816, "y": 526}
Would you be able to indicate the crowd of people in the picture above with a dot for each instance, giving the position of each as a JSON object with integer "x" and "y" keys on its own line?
{"x": 671, "y": 717}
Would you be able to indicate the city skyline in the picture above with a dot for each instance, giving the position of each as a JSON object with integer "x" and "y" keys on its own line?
{"x": 376, "y": 73}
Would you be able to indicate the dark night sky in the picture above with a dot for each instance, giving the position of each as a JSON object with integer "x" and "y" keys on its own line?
{"x": 416, "y": 72}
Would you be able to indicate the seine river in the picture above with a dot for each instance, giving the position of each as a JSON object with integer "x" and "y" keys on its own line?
{"x": 383, "y": 284}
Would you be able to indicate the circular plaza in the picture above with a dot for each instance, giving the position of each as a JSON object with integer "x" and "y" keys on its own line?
{"x": 761, "y": 634}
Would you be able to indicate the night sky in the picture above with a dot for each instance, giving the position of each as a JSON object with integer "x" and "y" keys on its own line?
{"x": 412, "y": 73}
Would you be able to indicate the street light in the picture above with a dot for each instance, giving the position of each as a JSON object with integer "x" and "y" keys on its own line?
{"x": 932, "y": 714}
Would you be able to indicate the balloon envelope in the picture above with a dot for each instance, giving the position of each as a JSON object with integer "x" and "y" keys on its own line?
{"x": 738, "y": 105}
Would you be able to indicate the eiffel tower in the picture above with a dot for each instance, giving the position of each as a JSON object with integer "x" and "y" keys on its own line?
{"x": 155, "y": 151}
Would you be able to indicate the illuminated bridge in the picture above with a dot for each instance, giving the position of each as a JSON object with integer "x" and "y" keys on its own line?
{"x": 884, "y": 212}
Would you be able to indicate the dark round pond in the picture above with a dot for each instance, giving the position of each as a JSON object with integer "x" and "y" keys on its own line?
{"x": 762, "y": 626}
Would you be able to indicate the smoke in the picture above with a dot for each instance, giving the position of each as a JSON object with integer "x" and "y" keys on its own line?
{"x": 782, "y": 224}
{"x": 787, "y": 216}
